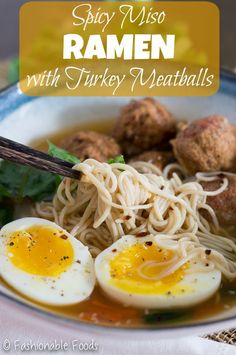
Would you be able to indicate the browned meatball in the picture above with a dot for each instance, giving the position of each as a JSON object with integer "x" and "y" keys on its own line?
{"x": 89, "y": 144}
{"x": 224, "y": 204}
{"x": 160, "y": 159}
{"x": 207, "y": 144}
{"x": 181, "y": 125}
{"x": 143, "y": 125}
{"x": 234, "y": 130}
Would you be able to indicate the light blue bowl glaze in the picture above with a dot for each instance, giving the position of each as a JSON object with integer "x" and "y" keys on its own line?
{"x": 12, "y": 98}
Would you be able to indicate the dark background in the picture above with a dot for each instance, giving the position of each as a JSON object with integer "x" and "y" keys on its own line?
{"x": 9, "y": 30}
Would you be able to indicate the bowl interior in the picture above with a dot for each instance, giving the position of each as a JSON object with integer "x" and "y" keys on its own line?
{"x": 42, "y": 117}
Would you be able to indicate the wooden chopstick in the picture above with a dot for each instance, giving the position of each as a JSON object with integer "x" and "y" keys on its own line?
{"x": 21, "y": 154}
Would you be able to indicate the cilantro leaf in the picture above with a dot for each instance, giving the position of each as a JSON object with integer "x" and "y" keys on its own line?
{"x": 118, "y": 159}
{"x": 164, "y": 316}
{"x": 6, "y": 215}
{"x": 4, "y": 192}
{"x": 60, "y": 153}
{"x": 18, "y": 181}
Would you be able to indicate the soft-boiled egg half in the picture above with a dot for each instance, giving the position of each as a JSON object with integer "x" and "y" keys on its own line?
{"x": 45, "y": 263}
{"x": 132, "y": 271}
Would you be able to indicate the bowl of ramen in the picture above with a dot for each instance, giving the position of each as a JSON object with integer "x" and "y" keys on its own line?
{"x": 144, "y": 240}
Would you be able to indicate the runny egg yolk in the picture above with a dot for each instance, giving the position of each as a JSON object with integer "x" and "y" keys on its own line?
{"x": 125, "y": 269}
{"x": 40, "y": 250}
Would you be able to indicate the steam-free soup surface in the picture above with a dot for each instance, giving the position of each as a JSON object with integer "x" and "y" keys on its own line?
{"x": 100, "y": 309}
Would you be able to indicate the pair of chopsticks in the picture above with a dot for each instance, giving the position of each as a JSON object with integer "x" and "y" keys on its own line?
{"x": 21, "y": 154}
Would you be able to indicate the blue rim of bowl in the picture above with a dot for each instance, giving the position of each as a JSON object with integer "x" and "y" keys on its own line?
{"x": 11, "y": 98}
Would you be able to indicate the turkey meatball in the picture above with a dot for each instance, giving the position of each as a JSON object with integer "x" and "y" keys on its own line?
{"x": 159, "y": 159}
{"x": 143, "y": 125}
{"x": 89, "y": 144}
{"x": 207, "y": 144}
{"x": 224, "y": 204}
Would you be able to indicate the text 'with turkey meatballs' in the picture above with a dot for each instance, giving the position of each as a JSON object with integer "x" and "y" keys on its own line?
{"x": 119, "y": 49}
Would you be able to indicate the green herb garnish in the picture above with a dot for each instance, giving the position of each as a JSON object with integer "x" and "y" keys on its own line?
{"x": 157, "y": 316}
{"x": 60, "y": 153}
{"x": 6, "y": 215}
{"x": 18, "y": 181}
{"x": 118, "y": 159}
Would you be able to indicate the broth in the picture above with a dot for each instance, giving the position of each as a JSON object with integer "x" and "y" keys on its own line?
{"x": 100, "y": 309}
{"x": 101, "y": 126}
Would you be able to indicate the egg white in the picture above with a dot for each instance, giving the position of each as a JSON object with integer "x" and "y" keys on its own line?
{"x": 197, "y": 287}
{"x": 70, "y": 287}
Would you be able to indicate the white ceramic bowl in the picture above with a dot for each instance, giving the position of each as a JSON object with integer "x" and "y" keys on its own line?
{"x": 25, "y": 119}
